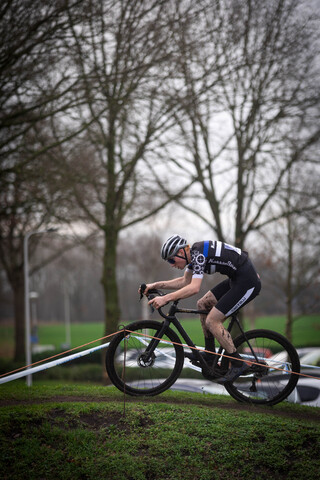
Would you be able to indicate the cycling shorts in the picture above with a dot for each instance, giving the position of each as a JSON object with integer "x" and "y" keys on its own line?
{"x": 234, "y": 293}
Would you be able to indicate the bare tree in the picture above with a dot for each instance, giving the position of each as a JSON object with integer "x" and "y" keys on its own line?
{"x": 124, "y": 58}
{"x": 33, "y": 87}
{"x": 31, "y": 46}
{"x": 244, "y": 89}
{"x": 290, "y": 249}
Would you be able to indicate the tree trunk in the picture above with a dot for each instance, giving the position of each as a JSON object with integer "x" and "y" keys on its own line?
{"x": 289, "y": 320}
{"x": 110, "y": 289}
{"x": 239, "y": 240}
{"x": 289, "y": 294}
{"x": 109, "y": 283}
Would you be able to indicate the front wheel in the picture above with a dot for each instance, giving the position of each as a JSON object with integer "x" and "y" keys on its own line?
{"x": 132, "y": 370}
{"x": 274, "y": 376}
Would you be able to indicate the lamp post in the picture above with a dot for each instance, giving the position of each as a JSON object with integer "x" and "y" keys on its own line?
{"x": 27, "y": 296}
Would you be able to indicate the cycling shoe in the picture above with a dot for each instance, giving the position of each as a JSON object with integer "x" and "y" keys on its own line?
{"x": 233, "y": 373}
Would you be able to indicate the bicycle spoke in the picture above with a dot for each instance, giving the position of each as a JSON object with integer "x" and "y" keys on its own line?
{"x": 271, "y": 377}
{"x": 133, "y": 368}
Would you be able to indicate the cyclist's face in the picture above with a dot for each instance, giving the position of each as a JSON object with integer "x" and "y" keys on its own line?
{"x": 178, "y": 261}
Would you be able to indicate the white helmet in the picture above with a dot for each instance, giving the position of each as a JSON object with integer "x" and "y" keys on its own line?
{"x": 171, "y": 247}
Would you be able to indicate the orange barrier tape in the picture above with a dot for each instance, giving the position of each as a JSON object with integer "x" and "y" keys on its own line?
{"x": 58, "y": 354}
{"x": 156, "y": 338}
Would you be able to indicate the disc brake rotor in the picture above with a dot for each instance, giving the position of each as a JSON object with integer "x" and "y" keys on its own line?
{"x": 143, "y": 362}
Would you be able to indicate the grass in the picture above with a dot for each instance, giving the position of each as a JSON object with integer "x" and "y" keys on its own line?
{"x": 53, "y": 334}
{"x": 46, "y": 434}
{"x": 306, "y": 332}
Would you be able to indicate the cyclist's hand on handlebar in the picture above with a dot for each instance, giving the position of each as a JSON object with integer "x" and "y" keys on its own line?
{"x": 158, "y": 302}
{"x": 144, "y": 288}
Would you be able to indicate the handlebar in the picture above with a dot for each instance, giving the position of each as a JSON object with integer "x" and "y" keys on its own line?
{"x": 152, "y": 293}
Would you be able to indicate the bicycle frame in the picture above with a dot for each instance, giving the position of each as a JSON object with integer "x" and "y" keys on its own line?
{"x": 261, "y": 382}
{"x": 171, "y": 318}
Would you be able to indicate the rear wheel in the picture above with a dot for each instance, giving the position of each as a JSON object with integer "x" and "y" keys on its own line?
{"x": 274, "y": 377}
{"x": 130, "y": 368}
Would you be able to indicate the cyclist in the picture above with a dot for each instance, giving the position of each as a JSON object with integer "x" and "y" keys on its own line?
{"x": 242, "y": 285}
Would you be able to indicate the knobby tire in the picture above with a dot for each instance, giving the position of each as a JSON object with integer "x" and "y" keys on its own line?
{"x": 140, "y": 377}
{"x": 270, "y": 383}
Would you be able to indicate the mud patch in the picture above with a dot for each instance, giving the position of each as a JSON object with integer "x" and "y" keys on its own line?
{"x": 94, "y": 421}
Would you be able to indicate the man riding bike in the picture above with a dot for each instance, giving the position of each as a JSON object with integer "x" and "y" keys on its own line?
{"x": 242, "y": 285}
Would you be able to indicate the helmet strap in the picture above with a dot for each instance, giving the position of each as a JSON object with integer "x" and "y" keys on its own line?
{"x": 185, "y": 256}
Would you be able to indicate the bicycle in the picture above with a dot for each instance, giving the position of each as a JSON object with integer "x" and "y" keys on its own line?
{"x": 147, "y": 357}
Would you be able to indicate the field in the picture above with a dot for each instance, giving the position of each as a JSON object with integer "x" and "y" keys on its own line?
{"x": 59, "y": 429}
{"x": 70, "y": 432}
{"x": 306, "y": 332}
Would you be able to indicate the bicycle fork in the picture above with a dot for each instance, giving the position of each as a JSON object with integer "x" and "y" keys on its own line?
{"x": 155, "y": 342}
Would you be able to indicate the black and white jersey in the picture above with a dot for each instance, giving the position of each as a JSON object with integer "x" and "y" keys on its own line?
{"x": 215, "y": 256}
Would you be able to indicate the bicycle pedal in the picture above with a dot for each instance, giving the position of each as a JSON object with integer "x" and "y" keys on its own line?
{"x": 195, "y": 363}
{"x": 207, "y": 357}
{"x": 212, "y": 373}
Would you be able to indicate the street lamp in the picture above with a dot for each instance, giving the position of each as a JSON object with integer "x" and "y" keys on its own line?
{"x": 27, "y": 296}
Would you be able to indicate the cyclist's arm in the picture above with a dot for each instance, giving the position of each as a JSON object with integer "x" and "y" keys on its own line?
{"x": 174, "y": 284}
{"x": 187, "y": 291}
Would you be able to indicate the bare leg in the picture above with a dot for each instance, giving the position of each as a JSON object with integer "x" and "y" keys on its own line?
{"x": 212, "y": 325}
{"x": 207, "y": 302}
{"x": 214, "y": 321}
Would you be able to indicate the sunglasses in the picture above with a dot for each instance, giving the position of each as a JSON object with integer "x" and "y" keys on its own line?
{"x": 172, "y": 260}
